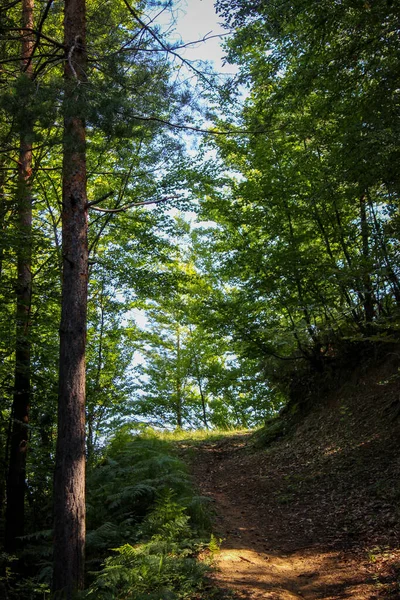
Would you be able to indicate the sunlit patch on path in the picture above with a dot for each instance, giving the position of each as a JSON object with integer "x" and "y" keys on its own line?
{"x": 265, "y": 552}
{"x": 303, "y": 574}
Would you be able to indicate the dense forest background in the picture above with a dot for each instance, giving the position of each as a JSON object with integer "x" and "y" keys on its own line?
{"x": 236, "y": 239}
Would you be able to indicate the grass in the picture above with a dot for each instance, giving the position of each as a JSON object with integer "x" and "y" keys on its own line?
{"x": 200, "y": 435}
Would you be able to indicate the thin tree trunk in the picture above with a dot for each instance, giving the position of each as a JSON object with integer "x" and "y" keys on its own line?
{"x": 203, "y": 400}
{"x": 357, "y": 284}
{"x": 18, "y": 442}
{"x": 203, "y": 404}
{"x": 357, "y": 316}
{"x": 178, "y": 403}
{"x": 295, "y": 333}
{"x": 198, "y": 379}
{"x": 69, "y": 480}
{"x": 294, "y": 248}
{"x": 297, "y": 279}
{"x": 369, "y": 300}
{"x": 341, "y": 234}
{"x": 344, "y": 291}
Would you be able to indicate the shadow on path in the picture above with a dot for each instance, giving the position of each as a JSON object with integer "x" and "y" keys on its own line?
{"x": 262, "y": 556}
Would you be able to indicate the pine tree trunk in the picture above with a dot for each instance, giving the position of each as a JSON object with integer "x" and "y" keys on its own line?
{"x": 69, "y": 480}
{"x": 18, "y": 441}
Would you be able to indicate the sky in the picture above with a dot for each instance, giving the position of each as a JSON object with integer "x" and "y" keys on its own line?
{"x": 195, "y": 20}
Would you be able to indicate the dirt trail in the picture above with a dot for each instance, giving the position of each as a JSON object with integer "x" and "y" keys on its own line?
{"x": 279, "y": 544}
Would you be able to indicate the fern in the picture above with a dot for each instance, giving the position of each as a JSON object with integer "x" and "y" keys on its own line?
{"x": 103, "y": 536}
{"x": 198, "y": 508}
{"x": 142, "y": 505}
{"x": 140, "y": 573}
{"x": 168, "y": 520}
{"x": 130, "y": 494}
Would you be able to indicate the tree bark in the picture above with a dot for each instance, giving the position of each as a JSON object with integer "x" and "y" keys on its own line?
{"x": 18, "y": 442}
{"x": 69, "y": 480}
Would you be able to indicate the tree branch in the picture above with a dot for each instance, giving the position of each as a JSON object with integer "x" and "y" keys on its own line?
{"x": 199, "y": 129}
{"x": 128, "y": 206}
{"x": 90, "y": 204}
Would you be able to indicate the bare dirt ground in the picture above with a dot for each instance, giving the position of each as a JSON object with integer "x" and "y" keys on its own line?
{"x": 317, "y": 514}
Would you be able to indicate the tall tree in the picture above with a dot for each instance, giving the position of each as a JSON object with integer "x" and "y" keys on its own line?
{"x": 120, "y": 99}
{"x": 22, "y": 385}
{"x": 69, "y": 479}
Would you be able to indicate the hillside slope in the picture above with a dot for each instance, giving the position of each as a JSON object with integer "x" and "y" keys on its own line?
{"x": 316, "y": 514}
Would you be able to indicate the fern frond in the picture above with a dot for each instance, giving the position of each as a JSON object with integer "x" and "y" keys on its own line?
{"x": 131, "y": 494}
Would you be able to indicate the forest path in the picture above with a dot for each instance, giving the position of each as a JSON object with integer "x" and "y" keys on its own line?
{"x": 273, "y": 547}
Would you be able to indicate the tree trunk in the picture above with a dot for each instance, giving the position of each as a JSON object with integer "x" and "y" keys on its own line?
{"x": 178, "y": 403}
{"x": 342, "y": 287}
{"x": 203, "y": 400}
{"x": 69, "y": 480}
{"x": 297, "y": 278}
{"x": 369, "y": 299}
{"x": 18, "y": 441}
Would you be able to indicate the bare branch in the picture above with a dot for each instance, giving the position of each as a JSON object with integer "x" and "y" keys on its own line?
{"x": 90, "y": 204}
{"x": 199, "y": 129}
{"x": 126, "y": 176}
{"x": 205, "y": 38}
{"x": 128, "y": 206}
{"x": 70, "y": 53}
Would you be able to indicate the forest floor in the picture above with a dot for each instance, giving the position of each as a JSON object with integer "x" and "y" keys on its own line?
{"x": 316, "y": 514}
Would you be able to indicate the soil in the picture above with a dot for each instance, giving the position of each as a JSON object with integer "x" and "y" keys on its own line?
{"x": 315, "y": 515}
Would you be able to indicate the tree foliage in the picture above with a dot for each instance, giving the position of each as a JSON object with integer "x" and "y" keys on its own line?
{"x": 307, "y": 237}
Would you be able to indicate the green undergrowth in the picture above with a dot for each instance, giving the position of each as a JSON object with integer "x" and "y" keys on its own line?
{"x": 145, "y": 529}
{"x": 146, "y": 524}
